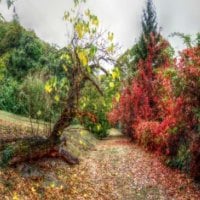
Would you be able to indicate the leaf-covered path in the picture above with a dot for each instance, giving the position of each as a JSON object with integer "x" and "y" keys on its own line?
{"x": 116, "y": 169}
{"x": 120, "y": 170}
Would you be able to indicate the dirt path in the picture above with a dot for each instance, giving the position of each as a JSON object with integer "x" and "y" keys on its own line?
{"x": 120, "y": 170}
{"x": 116, "y": 170}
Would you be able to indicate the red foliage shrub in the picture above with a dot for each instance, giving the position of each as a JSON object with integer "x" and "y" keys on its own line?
{"x": 161, "y": 119}
{"x": 123, "y": 112}
{"x": 139, "y": 101}
{"x": 189, "y": 65}
{"x": 147, "y": 135}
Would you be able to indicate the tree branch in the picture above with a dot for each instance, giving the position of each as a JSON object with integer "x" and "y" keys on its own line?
{"x": 89, "y": 78}
{"x": 99, "y": 67}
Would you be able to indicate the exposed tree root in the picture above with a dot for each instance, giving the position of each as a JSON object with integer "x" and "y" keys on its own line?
{"x": 32, "y": 148}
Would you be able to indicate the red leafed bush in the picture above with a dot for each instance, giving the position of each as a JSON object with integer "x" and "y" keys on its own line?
{"x": 161, "y": 114}
{"x": 139, "y": 100}
{"x": 190, "y": 73}
{"x": 147, "y": 135}
{"x": 123, "y": 112}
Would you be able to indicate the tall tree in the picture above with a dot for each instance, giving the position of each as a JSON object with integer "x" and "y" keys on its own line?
{"x": 138, "y": 64}
{"x": 129, "y": 60}
{"x": 149, "y": 30}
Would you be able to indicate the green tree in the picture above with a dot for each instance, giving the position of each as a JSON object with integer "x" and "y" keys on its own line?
{"x": 129, "y": 60}
{"x": 148, "y": 40}
{"x": 22, "y": 56}
{"x": 10, "y": 34}
{"x": 149, "y": 30}
{"x": 26, "y": 56}
{"x": 98, "y": 106}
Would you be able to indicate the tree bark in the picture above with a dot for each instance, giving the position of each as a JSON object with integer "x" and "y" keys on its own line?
{"x": 33, "y": 148}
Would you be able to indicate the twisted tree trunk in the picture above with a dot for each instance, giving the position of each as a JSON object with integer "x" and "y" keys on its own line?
{"x": 33, "y": 148}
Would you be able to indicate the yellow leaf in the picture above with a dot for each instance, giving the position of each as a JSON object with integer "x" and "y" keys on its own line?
{"x": 33, "y": 189}
{"x": 82, "y": 133}
{"x": 110, "y": 36}
{"x": 83, "y": 58}
{"x": 15, "y": 196}
{"x": 52, "y": 185}
{"x": 80, "y": 30}
{"x": 95, "y": 21}
{"x": 112, "y": 85}
{"x": 117, "y": 97}
{"x": 48, "y": 88}
{"x": 98, "y": 127}
{"x": 115, "y": 74}
{"x": 57, "y": 98}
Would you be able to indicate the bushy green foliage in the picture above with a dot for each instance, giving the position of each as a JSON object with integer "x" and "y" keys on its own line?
{"x": 149, "y": 31}
{"x": 181, "y": 160}
{"x": 98, "y": 106}
{"x": 25, "y": 52}
{"x": 26, "y": 56}
{"x": 10, "y": 33}
{"x": 8, "y": 96}
{"x": 35, "y": 103}
{"x": 7, "y": 154}
{"x": 23, "y": 57}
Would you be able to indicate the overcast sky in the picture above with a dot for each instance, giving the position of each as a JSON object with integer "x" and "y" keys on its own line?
{"x": 122, "y": 17}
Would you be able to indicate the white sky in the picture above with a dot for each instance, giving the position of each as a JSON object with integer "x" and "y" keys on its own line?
{"x": 122, "y": 17}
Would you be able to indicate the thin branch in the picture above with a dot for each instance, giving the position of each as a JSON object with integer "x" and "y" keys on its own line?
{"x": 100, "y": 68}
{"x": 89, "y": 78}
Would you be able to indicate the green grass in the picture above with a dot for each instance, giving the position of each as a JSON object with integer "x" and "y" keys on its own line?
{"x": 17, "y": 119}
{"x": 79, "y": 140}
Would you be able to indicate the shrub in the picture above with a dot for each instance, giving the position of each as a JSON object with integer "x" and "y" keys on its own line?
{"x": 195, "y": 158}
{"x": 160, "y": 109}
{"x": 146, "y": 135}
{"x": 8, "y": 96}
{"x": 93, "y": 112}
{"x": 189, "y": 65}
{"x": 181, "y": 160}
{"x": 34, "y": 102}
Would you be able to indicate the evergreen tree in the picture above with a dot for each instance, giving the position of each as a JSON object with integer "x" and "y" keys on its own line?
{"x": 129, "y": 60}
{"x": 149, "y": 20}
{"x": 149, "y": 29}
{"x": 150, "y": 38}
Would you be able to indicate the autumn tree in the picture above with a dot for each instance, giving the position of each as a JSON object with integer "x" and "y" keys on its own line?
{"x": 88, "y": 48}
{"x": 139, "y": 68}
